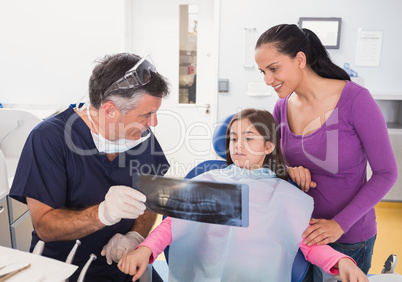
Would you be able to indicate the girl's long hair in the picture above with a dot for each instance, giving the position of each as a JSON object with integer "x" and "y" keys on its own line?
{"x": 265, "y": 124}
{"x": 289, "y": 39}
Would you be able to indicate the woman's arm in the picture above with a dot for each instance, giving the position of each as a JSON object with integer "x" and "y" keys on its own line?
{"x": 371, "y": 128}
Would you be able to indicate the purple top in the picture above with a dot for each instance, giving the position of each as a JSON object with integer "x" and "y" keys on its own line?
{"x": 336, "y": 155}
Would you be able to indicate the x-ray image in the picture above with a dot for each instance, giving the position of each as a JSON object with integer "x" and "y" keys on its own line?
{"x": 210, "y": 202}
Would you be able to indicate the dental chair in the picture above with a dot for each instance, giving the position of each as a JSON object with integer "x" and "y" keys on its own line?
{"x": 15, "y": 126}
{"x": 300, "y": 264}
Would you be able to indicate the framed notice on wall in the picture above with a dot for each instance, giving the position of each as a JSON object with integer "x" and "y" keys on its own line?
{"x": 368, "y": 48}
{"x": 328, "y": 30}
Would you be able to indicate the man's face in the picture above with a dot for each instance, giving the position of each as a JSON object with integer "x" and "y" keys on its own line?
{"x": 132, "y": 124}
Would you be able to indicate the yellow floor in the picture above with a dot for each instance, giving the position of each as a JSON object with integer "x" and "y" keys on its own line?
{"x": 389, "y": 236}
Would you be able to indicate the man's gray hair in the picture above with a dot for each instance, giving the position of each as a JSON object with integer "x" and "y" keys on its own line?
{"x": 112, "y": 68}
{"x": 127, "y": 104}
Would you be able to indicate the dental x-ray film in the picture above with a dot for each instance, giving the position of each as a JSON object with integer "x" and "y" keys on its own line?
{"x": 202, "y": 201}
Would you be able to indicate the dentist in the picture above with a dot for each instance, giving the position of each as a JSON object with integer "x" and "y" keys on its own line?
{"x": 76, "y": 167}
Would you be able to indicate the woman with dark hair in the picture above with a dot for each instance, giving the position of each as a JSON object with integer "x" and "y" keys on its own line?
{"x": 329, "y": 128}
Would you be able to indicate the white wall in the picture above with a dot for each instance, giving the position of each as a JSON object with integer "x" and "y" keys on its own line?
{"x": 48, "y": 48}
{"x": 371, "y": 15}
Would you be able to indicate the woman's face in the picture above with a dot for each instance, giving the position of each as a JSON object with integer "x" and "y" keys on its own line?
{"x": 280, "y": 71}
{"x": 247, "y": 147}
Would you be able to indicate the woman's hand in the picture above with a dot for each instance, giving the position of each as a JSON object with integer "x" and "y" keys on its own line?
{"x": 322, "y": 232}
{"x": 349, "y": 272}
{"x": 135, "y": 262}
{"x": 302, "y": 177}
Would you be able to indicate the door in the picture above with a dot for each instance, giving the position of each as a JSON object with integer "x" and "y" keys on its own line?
{"x": 185, "y": 122}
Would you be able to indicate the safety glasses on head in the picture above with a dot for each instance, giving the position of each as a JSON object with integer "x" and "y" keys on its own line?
{"x": 139, "y": 74}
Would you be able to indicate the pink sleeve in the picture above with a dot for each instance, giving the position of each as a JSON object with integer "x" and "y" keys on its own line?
{"x": 323, "y": 256}
{"x": 159, "y": 239}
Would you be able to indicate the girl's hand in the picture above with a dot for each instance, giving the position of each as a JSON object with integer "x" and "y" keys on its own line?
{"x": 349, "y": 272}
{"x": 302, "y": 177}
{"x": 135, "y": 262}
{"x": 322, "y": 232}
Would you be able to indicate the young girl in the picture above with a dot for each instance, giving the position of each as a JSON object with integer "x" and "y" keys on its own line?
{"x": 278, "y": 215}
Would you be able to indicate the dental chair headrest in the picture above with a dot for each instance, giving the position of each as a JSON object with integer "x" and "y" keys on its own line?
{"x": 218, "y": 139}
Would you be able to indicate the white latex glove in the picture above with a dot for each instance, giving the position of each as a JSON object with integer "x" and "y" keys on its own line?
{"x": 121, "y": 202}
{"x": 119, "y": 245}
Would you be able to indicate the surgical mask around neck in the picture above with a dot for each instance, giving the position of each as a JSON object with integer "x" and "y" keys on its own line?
{"x": 115, "y": 146}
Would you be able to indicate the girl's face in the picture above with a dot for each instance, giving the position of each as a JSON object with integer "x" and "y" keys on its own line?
{"x": 280, "y": 71}
{"x": 247, "y": 147}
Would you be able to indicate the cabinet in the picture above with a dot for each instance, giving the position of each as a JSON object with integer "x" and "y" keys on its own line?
{"x": 21, "y": 232}
{"x": 391, "y": 107}
{"x": 5, "y": 237}
{"x": 20, "y": 225}
{"x": 15, "y": 220}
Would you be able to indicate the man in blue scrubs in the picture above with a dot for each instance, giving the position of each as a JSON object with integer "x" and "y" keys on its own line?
{"x": 76, "y": 168}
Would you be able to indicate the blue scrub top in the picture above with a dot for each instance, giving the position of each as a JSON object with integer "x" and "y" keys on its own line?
{"x": 61, "y": 167}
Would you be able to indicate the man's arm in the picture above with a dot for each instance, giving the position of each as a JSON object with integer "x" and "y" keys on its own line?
{"x": 144, "y": 223}
{"x": 63, "y": 224}
{"x": 67, "y": 224}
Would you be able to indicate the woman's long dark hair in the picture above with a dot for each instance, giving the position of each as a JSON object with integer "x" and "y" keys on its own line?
{"x": 289, "y": 39}
{"x": 265, "y": 124}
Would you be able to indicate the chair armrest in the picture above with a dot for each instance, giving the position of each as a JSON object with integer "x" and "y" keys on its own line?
{"x": 300, "y": 267}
